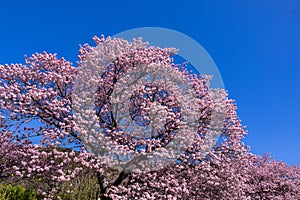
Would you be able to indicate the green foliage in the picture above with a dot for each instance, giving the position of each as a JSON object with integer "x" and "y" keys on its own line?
{"x": 83, "y": 187}
{"x": 10, "y": 192}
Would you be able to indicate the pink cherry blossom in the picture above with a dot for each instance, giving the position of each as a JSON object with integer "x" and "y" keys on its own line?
{"x": 41, "y": 92}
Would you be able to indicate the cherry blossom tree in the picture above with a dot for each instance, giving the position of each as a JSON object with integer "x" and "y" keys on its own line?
{"x": 144, "y": 125}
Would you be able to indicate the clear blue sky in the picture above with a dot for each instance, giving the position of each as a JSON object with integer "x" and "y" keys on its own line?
{"x": 255, "y": 44}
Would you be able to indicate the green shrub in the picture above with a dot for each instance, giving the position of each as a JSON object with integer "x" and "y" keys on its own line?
{"x": 83, "y": 187}
{"x": 10, "y": 192}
